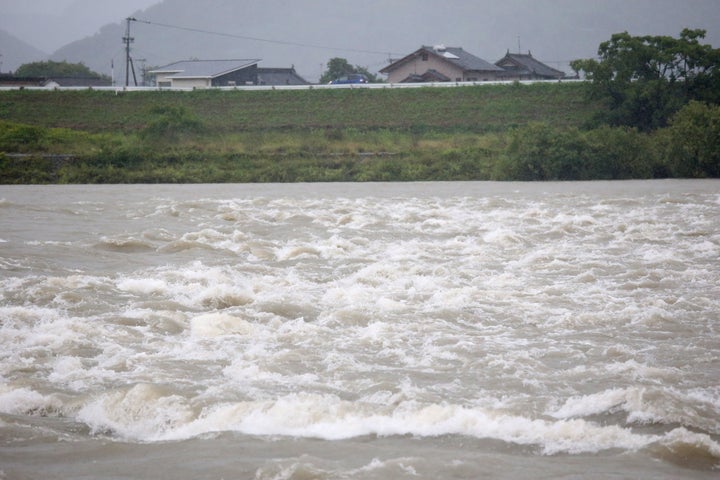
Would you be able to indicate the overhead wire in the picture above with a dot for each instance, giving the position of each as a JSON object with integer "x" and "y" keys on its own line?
{"x": 266, "y": 40}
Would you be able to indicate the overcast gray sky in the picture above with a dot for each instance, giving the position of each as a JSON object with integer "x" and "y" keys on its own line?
{"x": 102, "y": 7}
{"x": 556, "y": 30}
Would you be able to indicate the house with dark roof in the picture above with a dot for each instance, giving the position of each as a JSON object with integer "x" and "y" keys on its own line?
{"x": 441, "y": 64}
{"x": 11, "y": 81}
{"x": 223, "y": 73}
{"x": 54, "y": 82}
{"x": 519, "y": 66}
{"x": 206, "y": 73}
{"x": 279, "y": 76}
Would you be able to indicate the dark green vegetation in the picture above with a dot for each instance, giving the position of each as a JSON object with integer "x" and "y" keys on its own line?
{"x": 247, "y": 136}
{"x": 337, "y": 67}
{"x": 55, "y": 69}
{"x": 501, "y": 132}
{"x": 473, "y": 109}
{"x": 645, "y": 80}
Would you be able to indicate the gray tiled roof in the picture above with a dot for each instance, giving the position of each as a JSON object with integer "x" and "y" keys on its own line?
{"x": 465, "y": 60}
{"x": 279, "y": 76}
{"x": 431, "y": 75}
{"x": 532, "y": 66}
{"x": 204, "y": 68}
{"x": 455, "y": 55}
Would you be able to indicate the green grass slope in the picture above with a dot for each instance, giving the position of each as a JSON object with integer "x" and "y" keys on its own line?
{"x": 274, "y": 135}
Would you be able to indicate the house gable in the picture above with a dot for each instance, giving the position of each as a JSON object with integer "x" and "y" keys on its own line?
{"x": 519, "y": 66}
{"x": 279, "y": 76}
{"x": 453, "y": 63}
{"x": 429, "y": 76}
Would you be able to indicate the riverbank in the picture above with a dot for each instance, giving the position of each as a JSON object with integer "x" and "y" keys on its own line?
{"x": 472, "y": 108}
{"x": 209, "y": 136}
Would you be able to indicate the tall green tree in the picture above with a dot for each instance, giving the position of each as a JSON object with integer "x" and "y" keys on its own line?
{"x": 694, "y": 146}
{"x": 338, "y": 67}
{"x": 55, "y": 69}
{"x": 646, "y": 79}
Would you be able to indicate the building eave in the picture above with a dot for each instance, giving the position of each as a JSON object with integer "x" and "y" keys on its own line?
{"x": 453, "y": 61}
{"x": 179, "y": 73}
{"x": 396, "y": 64}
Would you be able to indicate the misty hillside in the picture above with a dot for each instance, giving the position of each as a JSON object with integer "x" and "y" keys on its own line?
{"x": 308, "y": 33}
{"x": 51, "y": 24}
{"x": 97, "y": 52}
{"x": 15, "y": 52}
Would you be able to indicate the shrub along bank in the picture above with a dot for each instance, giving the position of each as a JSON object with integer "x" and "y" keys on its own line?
{"x": 507, "y": 132}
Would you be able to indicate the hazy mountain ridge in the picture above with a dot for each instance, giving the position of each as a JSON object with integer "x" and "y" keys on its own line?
{"x": 16, "y": 52}
{"x": 49, "y": 24}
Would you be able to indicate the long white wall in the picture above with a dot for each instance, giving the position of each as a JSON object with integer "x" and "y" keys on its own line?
{"x": 119, "y": 89}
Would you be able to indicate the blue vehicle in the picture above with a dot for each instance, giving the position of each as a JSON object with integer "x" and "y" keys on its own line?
{"x": 352, "y": 78}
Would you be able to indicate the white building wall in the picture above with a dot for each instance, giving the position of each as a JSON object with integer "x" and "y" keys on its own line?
{"x": 419, "y": 66}
{"x": 191, "y": 83}
{"x": 161, "y": 79}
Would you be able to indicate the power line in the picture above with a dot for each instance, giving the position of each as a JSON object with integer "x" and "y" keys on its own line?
{"x": 266, "y": 40}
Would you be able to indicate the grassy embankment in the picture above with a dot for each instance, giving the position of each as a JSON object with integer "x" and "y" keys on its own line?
{"x": 279, "y": 136}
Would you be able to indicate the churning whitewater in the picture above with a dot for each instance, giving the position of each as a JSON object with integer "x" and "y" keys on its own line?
{"x": 534, "y": 324}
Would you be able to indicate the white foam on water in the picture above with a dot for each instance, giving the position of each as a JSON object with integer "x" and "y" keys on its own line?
{"x": 502, "y": 236}
{"x": 648, "y": 405}
{"x": 29, "y": 331}
{"x": 25, "y": 400}
{"x": 146, "y": 413}
{"x": 705, "y": 445}
{"x": 143, "y": 285}
{"x": 570, "y": 327}
{"x": 217, "y": 324}
{"x": 193, "y": 285}
{"x": 143, "y": 412}
{"x": 67, "y": 370}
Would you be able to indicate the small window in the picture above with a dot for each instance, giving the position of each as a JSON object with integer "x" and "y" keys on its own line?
{"x": 424, "y": 57}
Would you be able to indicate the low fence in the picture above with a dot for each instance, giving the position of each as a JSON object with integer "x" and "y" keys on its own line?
{"x": 120, "y": 89}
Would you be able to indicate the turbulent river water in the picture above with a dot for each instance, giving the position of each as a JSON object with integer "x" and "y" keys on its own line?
{"x": 360, "y": 331}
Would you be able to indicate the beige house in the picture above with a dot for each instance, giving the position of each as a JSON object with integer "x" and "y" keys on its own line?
{"x": 441, "y": 64}
{"x": 206, "y": 73}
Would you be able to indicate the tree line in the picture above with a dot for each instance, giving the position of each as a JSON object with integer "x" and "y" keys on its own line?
{"x": 645, "y": 80}
{"x": 50, "y": 69}
{"x": 336, "y": 67}
{"x": 660, "y": 116}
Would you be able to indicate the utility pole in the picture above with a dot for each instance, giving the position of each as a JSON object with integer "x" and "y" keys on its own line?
{"x": 128, "y": 60}
{"x": 142, "y": 70}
